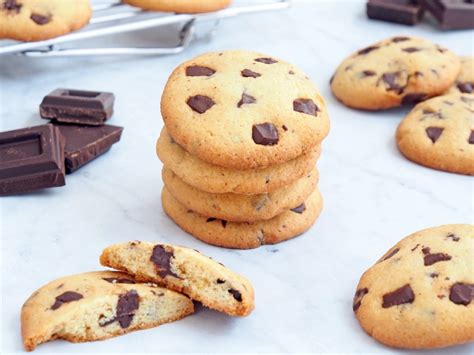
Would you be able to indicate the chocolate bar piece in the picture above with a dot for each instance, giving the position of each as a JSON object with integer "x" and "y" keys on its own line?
{"x": 85, "y": 143}
{"x": 451, "y": 14}
{"x": 78, "y": 106}
{"x": 31, "y": 159}
{"x": 407, "y": 12}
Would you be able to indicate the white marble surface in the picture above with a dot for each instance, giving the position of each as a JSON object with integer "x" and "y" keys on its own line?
{"x": 304, "y": 287}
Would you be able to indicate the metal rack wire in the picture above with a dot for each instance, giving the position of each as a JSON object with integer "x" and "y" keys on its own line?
{"x": 114, "y": 18}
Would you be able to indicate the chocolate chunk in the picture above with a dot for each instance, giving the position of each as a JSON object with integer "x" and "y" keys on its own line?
{"x": 266, "y": 60}
{"x": 451, "y": 14}
{"x": 434, "y": 133}
{"x": 162, "y": 260}
{"x": 367, "y": 50}
{"x": 31, "y": 159}
{"x": 406, "y": 12}
{"x": 367, "y": 73}
{"x": 211, "y": 219}
{"x": 411, "y": 49}
{"x": 471, "y": 138}
{"x": 118, "y": 280}
{"x": 237, "y": 295}
{"x": 247, "y": 73}
{"x": 299, "y": 209}
{"x": 415, "y": 247}
{"x": 413, "y": 98}
{"x": 434, "y": 275}
{"x": 200, "y": 103}
{"x": 66, "y": 297}
{"x": 197, "y": 70}
{"x": 78, "y": 106}
{"x": 390, "y": 254}
{"x": 426, "y": 250}
{"x": 391, "y": 81}
{"x": 451, "y": 235}
{"x": 430, "y": 259}
{"x": 127, "y": 304}
{"x": 284, "y": 128}
{"x": 466, "y": 88}
{"x": 400, "y": 39}
{"x": 400, "y": 296}
{"x": 305, "y": 106}
{"x": 291, "y": 72}
{"x": 85, "y": 143}
{"x": 40, "y": 19}
{"x": 220, "y": 281}
{"x": 461, "y": 293}
{"x": 246, "y": 99}
{"x": 358, "y": 298}
{"x": 12, "y": 5}
{"x": 265, "y": 134}
{"x": 224, "y": 223}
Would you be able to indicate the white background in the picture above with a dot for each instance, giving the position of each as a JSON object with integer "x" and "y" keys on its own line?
{"x": 304, "y": 287}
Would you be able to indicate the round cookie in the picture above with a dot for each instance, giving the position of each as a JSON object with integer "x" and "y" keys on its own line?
{"x": 36, "y": 20}
{"x": 184, "y": 270}
{"x": 240, "y": 208}
{"x": 419, "y": 295}
{"x": 244, "y": 235}
{"x": 215, "y": 179}
{"x": 465, "y": 81}
{"x": 95, "y": 306}
{"x": 439, "y": 133}
{"x": 243, "y": 110}
{"x": 395, "y": 71}
{"x": 180, "y": 6}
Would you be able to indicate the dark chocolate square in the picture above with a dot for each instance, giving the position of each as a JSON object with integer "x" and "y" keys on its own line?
{"x": 407, "y": 12}
{"x": 78, "y": 106}
{"x": 85, "y": 143}
{"x": 31, "y": 159}
{"x": 451, "y": 14}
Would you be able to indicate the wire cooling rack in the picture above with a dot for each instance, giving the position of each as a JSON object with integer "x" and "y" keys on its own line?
{"x": 115, "y": 18}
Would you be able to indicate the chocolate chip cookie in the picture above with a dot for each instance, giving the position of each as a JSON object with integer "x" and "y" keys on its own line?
{"x": 95, "y": 306}
{"x": 184, "y": 270}
{"x": 36, "y": 20}
{"x": 245, "y": 235}
{"x": 243, "y": 110}
{"x": 398, "y": 70}
{"x": 439, "y": 133}
{"x": 181, "y": 6}
{"x": 215, "y": 179}
{"x": 241, "y": 208}
{"x": 419, "y": 295}
{"x": 465, "y": 81}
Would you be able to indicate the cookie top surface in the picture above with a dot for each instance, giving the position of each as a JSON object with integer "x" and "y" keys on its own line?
{"x": 181, "y": 6}
{"x": 420, "y": 293}
{"x": 108, "y": 303}
{"x": 216, "y": 179}
{"x": 243, "y": 110}
{"x": 395, "y": 71}
{"x": 184, "y": 270}
{"x": 286, "y": 225}
{"x": 33, "y": 20}
{"x": 241, "y": 208}
{"x": 439, "y": 133}
{"x": 464, "y": 83}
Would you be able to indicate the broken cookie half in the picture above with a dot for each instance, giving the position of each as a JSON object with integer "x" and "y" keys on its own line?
{"x": 97, "y": 305}
{"x": 183, "y": 270}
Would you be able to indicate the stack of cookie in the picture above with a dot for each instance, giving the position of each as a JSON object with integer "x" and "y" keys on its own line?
{"x": 243, "y": 133}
